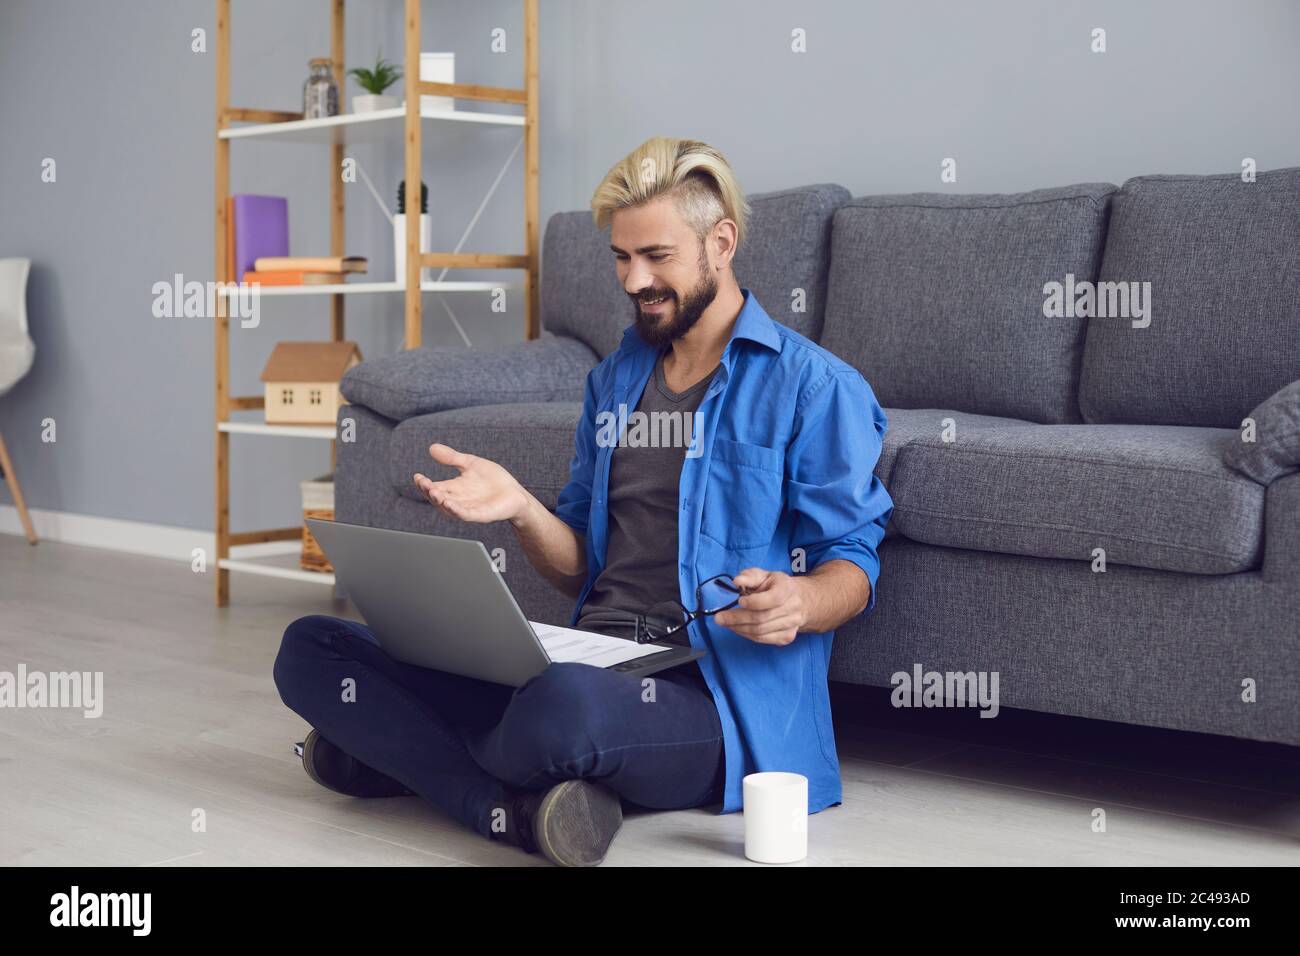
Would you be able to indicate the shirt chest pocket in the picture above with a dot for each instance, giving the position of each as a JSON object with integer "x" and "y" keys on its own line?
{"x": 745, "y": 495}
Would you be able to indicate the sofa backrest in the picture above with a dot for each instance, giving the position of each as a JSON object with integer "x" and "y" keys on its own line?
{"x": 784, "y": 261}
{"x": 1222, "y": 257}
{"x": 938, "y": 299}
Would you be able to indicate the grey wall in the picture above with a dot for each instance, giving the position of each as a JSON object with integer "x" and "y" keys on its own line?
{"x": 113, "y": 93}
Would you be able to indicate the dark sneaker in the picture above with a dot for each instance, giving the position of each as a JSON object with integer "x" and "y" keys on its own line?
{"x": 331, "y": 767}
{"x": 572, "y": 823}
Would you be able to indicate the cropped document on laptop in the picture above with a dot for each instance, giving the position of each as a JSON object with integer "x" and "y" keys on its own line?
{"x": 588, "y": 647}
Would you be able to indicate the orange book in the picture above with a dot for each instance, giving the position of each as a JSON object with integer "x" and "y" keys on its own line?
{"x": 295, "y": 277}
{"x": 310, "y": 263}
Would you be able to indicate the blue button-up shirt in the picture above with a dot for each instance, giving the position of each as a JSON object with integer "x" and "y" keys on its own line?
{"x": 785, "y": 481}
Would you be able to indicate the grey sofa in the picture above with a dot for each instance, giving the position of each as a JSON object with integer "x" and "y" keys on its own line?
{"x": 1022, "y": 448}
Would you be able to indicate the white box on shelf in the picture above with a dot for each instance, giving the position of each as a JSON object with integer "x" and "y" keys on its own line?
{"x": 437, "y": 68}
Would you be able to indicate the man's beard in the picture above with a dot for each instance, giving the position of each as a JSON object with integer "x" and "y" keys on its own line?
{"x": 684, "y": 313}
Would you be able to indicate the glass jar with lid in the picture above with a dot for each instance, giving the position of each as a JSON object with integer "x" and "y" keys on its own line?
{"x": 320, "y": 94}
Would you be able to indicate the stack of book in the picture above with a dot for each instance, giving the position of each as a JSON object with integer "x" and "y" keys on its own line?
{"x": 304, "y": 270}
{"x": 256, "y": 226}
{"x": 257, "y": 244}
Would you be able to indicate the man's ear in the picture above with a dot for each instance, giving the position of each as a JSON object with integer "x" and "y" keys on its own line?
{"x": 722, "y": 241}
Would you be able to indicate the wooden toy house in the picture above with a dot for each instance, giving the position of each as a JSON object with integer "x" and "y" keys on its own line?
{"x": 302, "y": 381}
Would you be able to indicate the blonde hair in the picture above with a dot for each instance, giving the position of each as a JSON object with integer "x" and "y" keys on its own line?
{"x": 693, "y": 174}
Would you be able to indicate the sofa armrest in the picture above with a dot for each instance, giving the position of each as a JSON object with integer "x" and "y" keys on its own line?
{"x": 1282, "y": 540}
{"x": 419, "y": 381}
{"x": 1276, "y": 448}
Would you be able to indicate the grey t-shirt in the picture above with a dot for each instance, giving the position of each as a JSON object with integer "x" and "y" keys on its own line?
{"x": 641, "y": 558}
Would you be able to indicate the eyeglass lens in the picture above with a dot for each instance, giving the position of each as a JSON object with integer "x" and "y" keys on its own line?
{"x": 718, "y": 594}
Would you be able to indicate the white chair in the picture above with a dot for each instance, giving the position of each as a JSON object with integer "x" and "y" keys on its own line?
{"x": 17, "y": 350}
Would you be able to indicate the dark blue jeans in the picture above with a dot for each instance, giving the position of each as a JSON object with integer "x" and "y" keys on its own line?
{"x": 467, "y": 745}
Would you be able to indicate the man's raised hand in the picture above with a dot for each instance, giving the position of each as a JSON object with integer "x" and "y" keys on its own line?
{"x": 482, "y": 492}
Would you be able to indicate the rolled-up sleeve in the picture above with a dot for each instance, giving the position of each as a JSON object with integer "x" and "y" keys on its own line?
{"x": 840, "y": 506}
{"x": 574, "y": 505}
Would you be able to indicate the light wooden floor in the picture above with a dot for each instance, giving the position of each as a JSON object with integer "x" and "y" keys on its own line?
{"x": 192, "y": 720}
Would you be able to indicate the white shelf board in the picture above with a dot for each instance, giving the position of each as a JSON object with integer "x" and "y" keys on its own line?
{"x": 266, "y": 549}
{"x": 288, "y": 431}
{"x": 277, "y": 567}
{"x": 362, "y": 288}
{"x": 361, "y": 127}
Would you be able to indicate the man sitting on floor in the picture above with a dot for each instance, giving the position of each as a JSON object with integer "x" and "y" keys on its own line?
{"x": 775, "y": 476}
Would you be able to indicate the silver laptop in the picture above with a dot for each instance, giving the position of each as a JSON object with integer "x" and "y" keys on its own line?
{"x": 440, "y": 603}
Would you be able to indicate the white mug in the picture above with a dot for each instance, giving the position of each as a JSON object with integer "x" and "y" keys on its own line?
{"x": 776, "y": 816}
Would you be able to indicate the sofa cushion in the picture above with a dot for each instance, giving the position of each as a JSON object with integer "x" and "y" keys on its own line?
{"x": 938, "y": 300}
{"x": 494, "y": 431}
{"x": 905, "y": 425}
{"x": 1224, "y": 331}
{"x": 1272, "y": 448}
{"x": 361, "y": 488}
{"x": 787, "y": 248}
{"x": 1151, "y": 496}
{"x": 534, "y": 442}
{"x": 418, "y": 381}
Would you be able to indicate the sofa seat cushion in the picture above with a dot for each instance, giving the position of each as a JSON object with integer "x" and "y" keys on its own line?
{"x": 534, "y": 442}
{"x": 907, "y": 424}
{"x": 1150, "y": 496}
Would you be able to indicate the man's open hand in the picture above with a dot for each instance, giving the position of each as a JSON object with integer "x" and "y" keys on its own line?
{"x": 482, "y": 492}
{"x": 772, "y": 608}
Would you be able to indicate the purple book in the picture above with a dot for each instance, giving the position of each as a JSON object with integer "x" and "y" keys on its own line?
{"x": 261, "y": 225}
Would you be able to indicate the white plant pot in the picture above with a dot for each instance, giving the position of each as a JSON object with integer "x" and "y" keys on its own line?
{"x": 370, "y": 103}
{"x": 399, "y": 245}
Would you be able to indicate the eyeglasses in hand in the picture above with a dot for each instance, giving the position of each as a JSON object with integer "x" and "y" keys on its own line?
{"x": 665, "y": 619}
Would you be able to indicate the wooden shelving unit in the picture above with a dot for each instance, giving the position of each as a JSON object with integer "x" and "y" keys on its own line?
{"x": 336, "y": 132}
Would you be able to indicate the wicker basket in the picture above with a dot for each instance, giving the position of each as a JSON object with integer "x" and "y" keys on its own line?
{"x": 317, "y": 502}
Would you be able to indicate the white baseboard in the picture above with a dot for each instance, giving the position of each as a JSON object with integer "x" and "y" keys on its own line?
{"x": 132, "y": 537}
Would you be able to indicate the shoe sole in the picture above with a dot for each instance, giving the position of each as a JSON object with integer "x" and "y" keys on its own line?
{"x": 309, "y": 746}
{"x": 576, "y": 822}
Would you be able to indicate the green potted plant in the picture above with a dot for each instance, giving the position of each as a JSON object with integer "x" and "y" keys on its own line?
{"x": 374, "y": 81}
